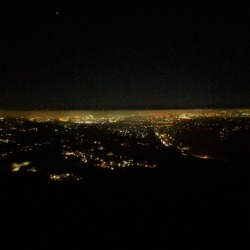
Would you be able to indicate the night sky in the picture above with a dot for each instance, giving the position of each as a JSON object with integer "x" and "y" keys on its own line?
{"x": 124, "y": 55}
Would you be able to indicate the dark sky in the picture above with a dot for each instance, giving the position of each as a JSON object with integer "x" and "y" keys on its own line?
{"x": 124, "y": 54}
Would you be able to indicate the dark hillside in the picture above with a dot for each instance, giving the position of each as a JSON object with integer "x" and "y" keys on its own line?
{"x": 194, "y": 199}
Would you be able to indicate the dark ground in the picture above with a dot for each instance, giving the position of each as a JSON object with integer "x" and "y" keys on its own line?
{"x": 194, "y": 204}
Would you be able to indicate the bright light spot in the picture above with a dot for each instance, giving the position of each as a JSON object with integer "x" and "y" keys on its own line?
{"x": 16, "y": 166}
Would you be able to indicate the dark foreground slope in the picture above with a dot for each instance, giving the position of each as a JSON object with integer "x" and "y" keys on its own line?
{"x": 182, "y": 204}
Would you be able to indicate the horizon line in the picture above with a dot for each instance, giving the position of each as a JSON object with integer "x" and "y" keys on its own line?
{"x": 103, "y": 109}
{"x": 119, "y": 109}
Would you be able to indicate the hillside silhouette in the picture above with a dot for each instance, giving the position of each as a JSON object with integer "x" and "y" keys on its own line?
{"x": 183, "y": 201}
